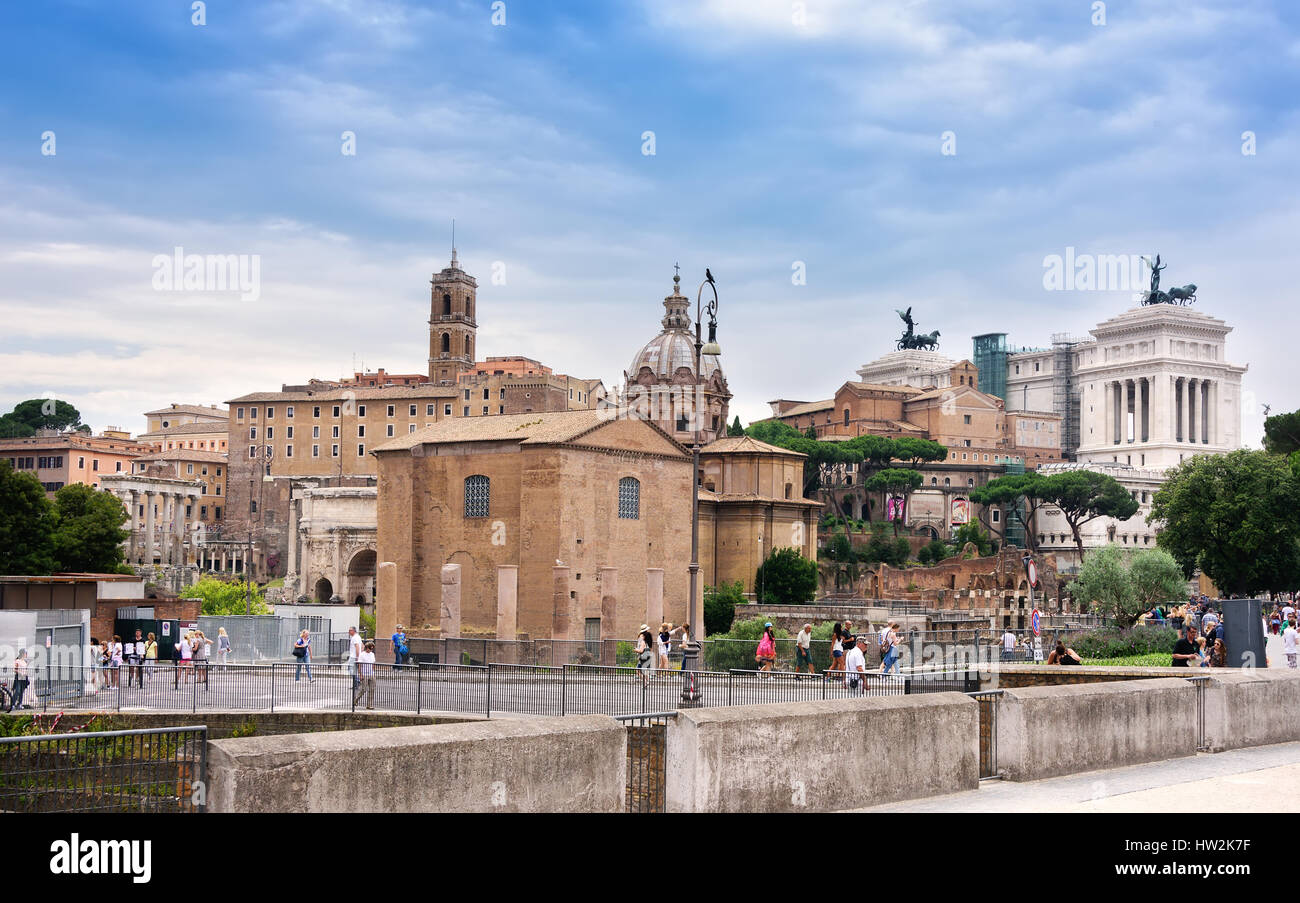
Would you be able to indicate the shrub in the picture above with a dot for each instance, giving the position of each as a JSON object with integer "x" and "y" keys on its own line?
{"x": 1112, "y": 643}
{"x": 625, "y": 654}
{"x": 735, "y": 649}
{"x": 720, "y": 606}
{"x": 786, "y": 578}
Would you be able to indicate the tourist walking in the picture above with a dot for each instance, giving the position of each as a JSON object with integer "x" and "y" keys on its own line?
{"x": 150, "y": 656}
{"x": 184, "y": 655}
{"x": 115, "y": 657}
{"x": 355, "y": 648}
{"x": 400, "y": 647}
{"x": 22, "y": 681}
{"x": 837, "y": 648}
{"x": 803, "y": 651}
{"x": 1290, "y": 641}
{"x": 1008, "y": 645}
{"x": 665, "y": 641}
{"x": 302, "y": 652}
{"x": 202, "y": 650}
{"x": 96, "y": 656}
{"x": 685, "y": 631}
{"x": 223, "y": 647}
{"x": 889, "y": 653}
{"x": 765, "y": 655}
{"x": 855, "y": 667}
{"x": 135, "y": 660}
{"x": 365, "y": 680}
{"x": 645, "y": 643}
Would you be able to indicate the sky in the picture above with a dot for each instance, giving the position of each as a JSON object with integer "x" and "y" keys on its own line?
{"x": 894, "y": 154}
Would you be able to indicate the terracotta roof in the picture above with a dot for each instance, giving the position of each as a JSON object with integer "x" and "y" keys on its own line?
{"x": 360, "y": 393}
{"x": 807, "y": 407}
{"x": 545, "y": 428}
{"x": 907, "y": 426}
{"x": 185, "y": 454}
{"x": 188, "y": 429}
{"x": 951, "y": 391}
{"x": 868, "y": 387}
{"x": 188, "y": 409}
{"x": 746, "y": 444}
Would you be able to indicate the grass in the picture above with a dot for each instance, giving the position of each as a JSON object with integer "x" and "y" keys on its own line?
{"x": 1149, "y": 660}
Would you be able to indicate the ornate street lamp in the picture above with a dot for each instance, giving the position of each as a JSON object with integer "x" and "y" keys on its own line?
{"x": 691, "y": 654}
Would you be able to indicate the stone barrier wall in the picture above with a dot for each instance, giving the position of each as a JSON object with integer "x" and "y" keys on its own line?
{"x": 1251, "y": 707}
{"x": 807, "y": 756}
{"x": 1044, "y": 732}
{"x": 573, "y": 764}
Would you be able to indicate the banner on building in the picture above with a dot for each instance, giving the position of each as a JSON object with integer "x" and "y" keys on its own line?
{"x": 960, "y": 511}
{"x": 894, "y": 511}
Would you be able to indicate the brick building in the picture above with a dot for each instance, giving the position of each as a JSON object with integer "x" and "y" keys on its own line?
{"x": 60, "y": 459}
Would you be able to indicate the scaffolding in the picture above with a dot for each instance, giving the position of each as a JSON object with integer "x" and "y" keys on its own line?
{"x": 1013, "y": 531}
{"x": 1065, "y": 394}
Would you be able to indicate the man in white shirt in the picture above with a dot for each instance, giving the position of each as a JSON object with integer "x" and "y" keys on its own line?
{"x": 1290, "y": 640}
{"x": 1008, "y": 645}
{"x": 355, "y": 648}
{"x": 855, "y": 666}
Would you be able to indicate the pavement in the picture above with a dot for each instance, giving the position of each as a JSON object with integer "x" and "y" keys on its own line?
{"x": 1259, "y": 779}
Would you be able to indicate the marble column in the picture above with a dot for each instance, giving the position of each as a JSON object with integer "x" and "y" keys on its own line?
{"x": 1130, "y": 410}
{"x": 149, "y": 497}
{"x": 449, "y": 614}
{"x": 1178, "y": 409}
{"x": 1191, "y": 410}
{"x": 1205, "y": 412}
{"x": 1144, "y": 386}
{"x": 507, "y": 601}
{"x": 1117, "y": 392}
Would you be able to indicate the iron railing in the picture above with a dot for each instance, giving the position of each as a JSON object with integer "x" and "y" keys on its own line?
{"x": 647, "y": 760}
{"x": 158, "y": 770}
{"x": 988, "y": 730}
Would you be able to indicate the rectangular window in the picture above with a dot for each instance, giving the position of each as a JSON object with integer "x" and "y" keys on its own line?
{"x": 411, "y": 429}
{"x": 361, "y": 451}
{"x": 361, "y": 431}
{"x": 335, "y": 434}
{"x": 391, "y": 409}
{"x": 252, "y": 432}
{"x": 501, "y": 409}
{"x": 466, "y": 414}
{"x": 334, "y": 451}
{"x": 81, "y": 464}
{"x": 288, "y": 411}
{"x": 428, "y": 410}
{"x": 361, "y": 410}
{"x": 252, "y": 452}
{"x": 486, "y": 394}
{"x": 467, "y": 394}
{"x": 288, "y": 451}
{"x": 336, "y": 410}
{"x": 503, "y": 393}
{"x": 315, "y": 411}
{"x": 315, "y": 451}
{"x": 446, "y": 410}
{"x": 203, "y": 512}
{"x": 205, "y": 470}
{"x": 966, "y": 418}
{"x": 390, "y": 430}
{"x": 288, "y": 432}
{"x": 315, "y": 432}
{"x": 484, "y": 409}
{"x": 413, "y": 411}
{"x": 189, "y": 469}
{"x": 252, "y": 413}
{"x": 94, "y": 464}
{"x": 239, "y": 413}
{"x": 270, "y": 432}
{"x": 216, "y": 512}
{"x": 270, "y": 413}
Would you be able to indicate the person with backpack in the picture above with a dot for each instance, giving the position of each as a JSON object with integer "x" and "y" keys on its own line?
{"x": 889, "y": 649}
{"x": 400, "y": 647}
{"x": 855, "y": 667}
{"x": 645, "y": 643}
{"x": 302, "y": 652}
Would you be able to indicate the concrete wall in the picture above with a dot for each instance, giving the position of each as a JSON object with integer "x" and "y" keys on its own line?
{"x": 574, "y": 764}
{"x": 1251, "y": 707}
{"x": 822, "y": 756}
{"x": 1048, "y": 731}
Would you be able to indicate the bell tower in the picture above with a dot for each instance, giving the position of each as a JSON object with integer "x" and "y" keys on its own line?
{"x": 452, "y": 328}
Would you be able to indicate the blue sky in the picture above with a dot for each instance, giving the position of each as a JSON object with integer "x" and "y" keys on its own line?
{"x": 776, "y": 141}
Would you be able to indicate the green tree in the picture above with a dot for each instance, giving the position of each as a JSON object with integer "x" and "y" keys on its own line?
{"x": 736, "y": 647}
{"x": 26, "y": 524}
{"x": 1236, "y": 517}
{"x": 786, "y": 578}
{"x": 1156, "y": 577}
{"x": 1083, "y": 496}
{"x": 720, "y": 606}
{"x": 88, "y": 534}
{"x": 973, "y": 534}
{"x": 1018, "y": 494}
{"x": 221, "y": 597}
{"x": 1282, "y": 433}
{"x": 40, "y": 413}
{"x": 736, "y": 429}
{"x": 918, "y": 451}
{"x": 896, "y": 482}
{"x": 1103, "y": 585}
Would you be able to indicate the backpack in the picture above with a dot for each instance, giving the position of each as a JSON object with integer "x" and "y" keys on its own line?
{"x": 884, "y": 647}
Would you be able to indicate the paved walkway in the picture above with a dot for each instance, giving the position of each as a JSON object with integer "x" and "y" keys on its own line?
{"x": 1260, "y": 779}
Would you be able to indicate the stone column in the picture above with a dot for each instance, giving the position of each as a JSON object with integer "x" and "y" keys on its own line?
{"x": 507, "y": 601}
{"x": 562, "y": 606}
{"x": 1130, "y": 409}
{"x": 1144, "y": 393}
{"x": 388, "y": 614}
{"x": 1120, "y": 404}
{"x": 654, "y": 601}
{"x": 294, "y": 513}
{"x": 1191, "y": 410}
{"x": 1178, "y": 409}
{"x": 1205, "y": 412}
{"x": 449, "y": 613}
{"x": 149, "y": 497}
{"x": 608, "y": 578}
{"x": 133, "y": 544}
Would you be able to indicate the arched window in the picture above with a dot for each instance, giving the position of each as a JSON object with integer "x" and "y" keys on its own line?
{"x": 446, "y": 305}
{"x": 846, "y": 416}
{"x": 446, "y": 341}
{"x": 934, "y": 481}
{"x": 788, "y": 490}
{"x": 478, "y": 496}
{"x": 970, "y": 481}
{"x": 629, "y": 498}
{"x": 947, "y": 481}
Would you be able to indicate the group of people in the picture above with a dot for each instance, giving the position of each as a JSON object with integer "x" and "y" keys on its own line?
{"x": 1283, "y": 611}
{"x": 107, "y": 659}
{"x": 653, "y": 649}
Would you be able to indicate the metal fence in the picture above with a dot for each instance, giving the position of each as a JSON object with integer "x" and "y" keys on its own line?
{"x": 988, "y": 730}
{"x": 647, "y": 760}
{"x": 268, "y": 638}
{"x": 161, "y": 770}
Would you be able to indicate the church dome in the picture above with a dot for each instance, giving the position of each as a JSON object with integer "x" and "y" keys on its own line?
{"x": 674, "y": 347}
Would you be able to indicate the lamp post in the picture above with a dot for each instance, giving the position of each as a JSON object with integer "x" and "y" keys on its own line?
{"x": 691, "y": 654}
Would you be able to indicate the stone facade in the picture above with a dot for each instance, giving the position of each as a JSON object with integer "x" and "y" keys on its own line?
{"x": 550, "y": 494}
{"x": 333, "y": 552}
